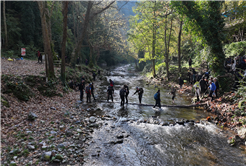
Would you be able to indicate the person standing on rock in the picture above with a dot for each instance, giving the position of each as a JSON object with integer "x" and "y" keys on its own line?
{"x": 212, "y": 88}
{"x": 92, "y": 90}
{"x": 122, "y": 96}
{"x": 111, "y": 83}
{"x": 94, "y": 76}
{"x": 197, "y": 90}
{"x": 127, "y": 92}
{"x": 181, "y": 82}
{"x": 88, "y": 93}
{"x": 217, "y": 86}
{"x": 81, "y": 88}
{"x": 83, "y": 78}
{"x": 203, "y": 85}
{"x": 157, "y": 98}
{"x": 110, "y": 92}
{"x": 140, "y": 92}
{"x": 173, "y": 92}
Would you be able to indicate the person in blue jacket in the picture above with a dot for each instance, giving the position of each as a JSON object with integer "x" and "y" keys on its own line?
{"x": 212, "y": 88}
{"x": 157, "y": 99}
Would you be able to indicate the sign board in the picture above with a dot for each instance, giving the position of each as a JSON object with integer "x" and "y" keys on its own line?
{"x": 23, "y": 51}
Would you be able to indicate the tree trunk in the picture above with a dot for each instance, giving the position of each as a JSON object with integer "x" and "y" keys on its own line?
{"x": 153, "y": 45}
{"x": 166, "y": 54}
{"x": 153, "y": 50}
{"x": 64, "y": 39}
{"x": 43, "y": 14}
{"x": 81, "y": 38}
{"x": 179, "y": 43}
{"x": 5, "y": 26}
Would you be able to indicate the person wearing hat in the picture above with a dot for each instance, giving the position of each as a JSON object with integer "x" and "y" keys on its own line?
{"x": 140, "y": 92}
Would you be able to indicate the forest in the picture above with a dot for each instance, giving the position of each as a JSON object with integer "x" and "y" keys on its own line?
{"x": 48, "y": 116}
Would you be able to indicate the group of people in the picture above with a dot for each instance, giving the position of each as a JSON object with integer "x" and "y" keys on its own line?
{"x": 124, "y": 92}
{"x": 202, "y": 84}
{"x": 89, "y": 90}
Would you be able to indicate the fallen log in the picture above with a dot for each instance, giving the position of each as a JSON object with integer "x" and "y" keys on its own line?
{"x": 163, "y": 105}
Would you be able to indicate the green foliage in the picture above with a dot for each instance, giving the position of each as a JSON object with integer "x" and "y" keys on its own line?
{"x": 207, "y": 29}
{"x": 235, "y": 48}
{"x": 18, "y": 88}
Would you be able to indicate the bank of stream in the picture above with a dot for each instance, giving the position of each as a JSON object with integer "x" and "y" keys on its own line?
{"x": 140, "y": 135}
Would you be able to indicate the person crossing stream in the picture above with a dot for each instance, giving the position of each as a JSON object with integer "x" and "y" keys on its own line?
{"x": 140, "y": 135}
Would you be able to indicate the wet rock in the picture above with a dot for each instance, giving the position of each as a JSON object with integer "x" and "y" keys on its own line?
{"x": 78, "y": 122}
{"x": 32, "y": 116}
{"x": 120, "y": 136}
{"x": 242, "y": 133}
{"x": 92, "y": 119}
{"x": 46, "y": 156}
{"x": 93, "y": 125}
{"x": 53, "y": 108}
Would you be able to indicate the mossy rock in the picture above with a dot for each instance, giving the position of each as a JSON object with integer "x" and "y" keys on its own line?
{"x": 33, "y": 80}
{"x": 47, "y": 91}
{"x": 4, "y": 102}
{"x": 20, "y": 90}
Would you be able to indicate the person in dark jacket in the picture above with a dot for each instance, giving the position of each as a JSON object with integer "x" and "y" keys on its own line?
{"x": 189, "y": 77}
{"x": 203, "y": 85}
{"x": 173, "y": 92}
{"x": 94, "y": 76}
{"x": 158, "y": 99}
{"x": 181, "y": 82}
{"x": 190, "y": 62}
{"x": 127, "y": 92}
{"x": 88, "y": 93}
{"x": 39, "y": 57}
{"x": 217, "y": 86}
{"x": 98, "y": 72}
{"x": 92, "y": 90}
{"x": 81, "y": 88}
{"x": 140, "y": 92}
{"x": 122, "y": 95}
{"x": 83, "y": 78}
{"x": 110, "y": 92}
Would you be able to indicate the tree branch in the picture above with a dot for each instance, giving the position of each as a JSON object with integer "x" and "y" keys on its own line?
{"x": 103, "y": 9}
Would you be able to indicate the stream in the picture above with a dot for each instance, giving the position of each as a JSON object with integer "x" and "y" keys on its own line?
{"x": 144, "y": 136}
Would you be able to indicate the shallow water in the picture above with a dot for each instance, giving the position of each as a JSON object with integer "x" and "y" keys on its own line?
{"x": 152, "y": 144}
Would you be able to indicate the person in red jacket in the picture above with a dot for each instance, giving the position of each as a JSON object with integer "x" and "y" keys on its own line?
{"x": 39, "y": 57}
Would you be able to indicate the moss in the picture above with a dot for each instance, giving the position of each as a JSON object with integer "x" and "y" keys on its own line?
{"x": 19, "y": 89}
{"x": 4, "y": 101}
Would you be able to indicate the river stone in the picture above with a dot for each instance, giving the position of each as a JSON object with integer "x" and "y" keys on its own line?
{"x": 32, "y": 116}
{"x": 79, "y": 131}
{"x": 53, "y": 108}
{"x": 46, "y": 156}
{"x": 92, "y": 119}
{"x": 69, "y": 133}
{"x": 12, "y": 163}
{"x": 93, "y": 125}
{"x": 79, "y": 102}
{"x": 242, "y": 132}
{"x": 15, "y": 157}
{"x": 31, "y": 147}
{"x": 53, "y": 132}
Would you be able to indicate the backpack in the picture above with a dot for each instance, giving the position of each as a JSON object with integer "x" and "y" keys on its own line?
{"x": 156, "y": 96}
{"x": 87, "y": 89}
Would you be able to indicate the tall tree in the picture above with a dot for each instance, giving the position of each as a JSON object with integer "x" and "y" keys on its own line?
{"x": 179, "y": 45}
{"x": 88, "y": 17}
{"x": 45, "y": 13}
{"x": 206, "y": 20}
{"x": 5, "y": 25}
{"x": 64, "y": 39}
